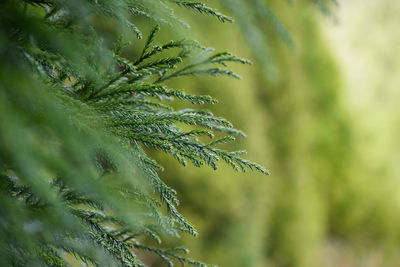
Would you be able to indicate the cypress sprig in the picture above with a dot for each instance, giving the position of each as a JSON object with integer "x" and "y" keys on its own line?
{"x": 202, "y": 67}
{"x": 77, "y": 119}
{"x": 203, "y": 9}
{"x": 169, "y": 254}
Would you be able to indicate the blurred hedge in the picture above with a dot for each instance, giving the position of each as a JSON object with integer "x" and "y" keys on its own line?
{"x": 317, "y": 208}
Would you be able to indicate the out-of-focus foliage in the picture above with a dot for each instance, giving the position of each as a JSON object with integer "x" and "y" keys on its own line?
{"x": 370, "y": 65}
{"x": 332, "y": 199}
{"x": 75, "y": 117}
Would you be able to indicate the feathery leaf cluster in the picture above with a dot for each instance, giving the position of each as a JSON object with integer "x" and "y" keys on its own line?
{"x": 75, "y": 119}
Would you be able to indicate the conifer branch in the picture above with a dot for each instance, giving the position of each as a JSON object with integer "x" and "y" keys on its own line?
{"x": 74, "y": 176}
{"x": 203, "y": 9}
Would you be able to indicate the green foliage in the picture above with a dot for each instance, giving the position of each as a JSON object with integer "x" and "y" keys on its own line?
{"x": 299, "y": 126}
{"x": 76, "y": 119}
{"x": 202, "y": 8}
{"x": 326, "y": 5}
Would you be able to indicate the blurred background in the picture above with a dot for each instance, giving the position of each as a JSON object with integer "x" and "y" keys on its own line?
{"x": 322, "y": 115}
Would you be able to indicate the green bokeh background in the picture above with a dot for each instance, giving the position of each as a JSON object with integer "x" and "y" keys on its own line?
{"x": 325, "y": 123}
